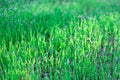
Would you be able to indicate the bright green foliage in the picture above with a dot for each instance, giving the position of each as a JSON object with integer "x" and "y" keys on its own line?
{"x": 59, "y": 40}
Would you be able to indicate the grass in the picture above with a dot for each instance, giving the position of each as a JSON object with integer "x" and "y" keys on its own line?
{"x": 60, "y": 40}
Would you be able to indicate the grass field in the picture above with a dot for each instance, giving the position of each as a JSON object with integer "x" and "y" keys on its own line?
{"x": 60, "y": 40}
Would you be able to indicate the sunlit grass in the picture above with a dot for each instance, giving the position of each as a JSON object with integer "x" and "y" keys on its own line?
{"x": 75, "y": 40}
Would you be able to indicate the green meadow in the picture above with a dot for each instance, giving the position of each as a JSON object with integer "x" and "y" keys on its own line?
{"x": 59, "y": 39}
